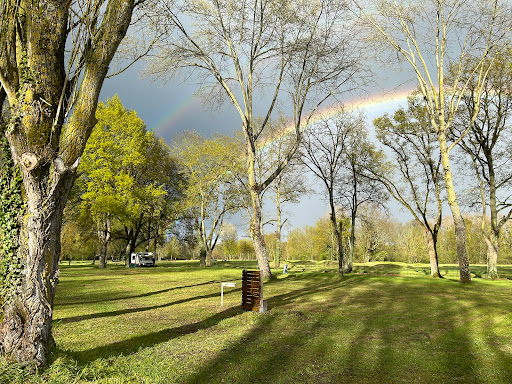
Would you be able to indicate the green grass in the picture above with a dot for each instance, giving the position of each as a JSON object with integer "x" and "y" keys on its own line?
{"x": 386, "y": 323}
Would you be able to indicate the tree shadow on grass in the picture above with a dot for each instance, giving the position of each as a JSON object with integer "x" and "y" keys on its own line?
{"x": 132, "y": 345}
{"x": 409, "y": 333}
{"x": 265, "y": 353}
{"x": 119, "y": 312}
{"x": 101, "y": 297}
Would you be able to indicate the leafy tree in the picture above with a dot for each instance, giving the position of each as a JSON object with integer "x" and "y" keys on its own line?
{"x": 300, "y": 243}
{"x": 210, "y": 167}
{"x": 488, "y": 145}
{"x": 356, "y": 186}
{"x": 410, "y": 245}
{"x": 414, "y": 147}
{"x": 229, "y": 244}
{"x": 115, "y": 179}
{"x": 159, "y": 169}
{"x": 54, "y": 57}
{"x": 376, "y": 233}
{"x": 256, "y": 54}
{"x": 246, "y": 249}
{"x": 431, "y": 32}
{"x": 338, "y": 153}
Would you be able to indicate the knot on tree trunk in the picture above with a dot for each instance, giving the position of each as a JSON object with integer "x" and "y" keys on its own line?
{"x": 29, "y": 161}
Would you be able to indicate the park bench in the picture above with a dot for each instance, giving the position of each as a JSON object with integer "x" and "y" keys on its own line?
{"x": 252, "y": 291}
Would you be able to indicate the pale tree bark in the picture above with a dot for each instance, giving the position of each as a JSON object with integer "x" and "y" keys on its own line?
{"x": 488, "y": 146}
{"x": 421, "y": 34}
{"x": 337, "y": 227}
{"x": 352, "y": 237}
{"x": 40, "y": 92}
{"x": 458, "y": 220}
{"x": 279, "y": 226}
{"x": 410, "y": 137}
{"x": 266, "y": 50}
{"x": 432, "y": 253}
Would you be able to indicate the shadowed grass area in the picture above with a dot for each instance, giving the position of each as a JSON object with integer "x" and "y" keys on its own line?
{"x": 385, "y": 323}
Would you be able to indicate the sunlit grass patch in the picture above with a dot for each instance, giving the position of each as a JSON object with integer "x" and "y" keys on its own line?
{"x": 166, "y": 325}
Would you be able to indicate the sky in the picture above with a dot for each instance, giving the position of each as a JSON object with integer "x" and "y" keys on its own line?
{"x": 170, "y": 108}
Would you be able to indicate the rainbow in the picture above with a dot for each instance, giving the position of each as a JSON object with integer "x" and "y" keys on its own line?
{"x": 187, "y": 106}
{"x": 376, "y": 104}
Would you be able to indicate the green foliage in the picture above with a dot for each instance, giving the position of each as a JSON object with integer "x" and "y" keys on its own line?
{"x": 115, "y": 151}
{"x": 11, "y": 211}
{"x": 127, "y": 175}
{"x": 316, "y": 242}
{"x": 211, "y": 167}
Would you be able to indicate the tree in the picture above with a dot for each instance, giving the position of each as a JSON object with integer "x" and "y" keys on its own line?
{"x": 375, "y": 233}
{"x": 324, "y": 149}
{"x": 488, "y": 145}
{"x": 288, "y": 186}
{"x": 125, "y": 175}
{"x": 256, "y": 54}
{"x": 356, "y": 186}
{"x": 54, "y": 56}
{"x": 229, "y": 243}
{"x": 155, "y": 213}
{"x": 430, "y": 32}
{"x": 210, "y": 167}
{"x": 413, "y": 144}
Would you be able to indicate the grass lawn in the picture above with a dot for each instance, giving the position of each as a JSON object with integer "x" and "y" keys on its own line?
{"x": 386, "y": 323}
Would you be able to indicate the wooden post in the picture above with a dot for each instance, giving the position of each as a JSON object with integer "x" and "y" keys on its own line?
{"x": 252, "y": 291}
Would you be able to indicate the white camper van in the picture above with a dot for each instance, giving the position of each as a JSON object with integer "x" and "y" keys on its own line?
{"x": 142, "y": 259}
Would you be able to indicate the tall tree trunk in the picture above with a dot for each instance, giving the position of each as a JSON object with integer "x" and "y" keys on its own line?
{"x": 277, "y": 259}
{"x": 342, "y": 267}
{"x": 202, "y": 257}
{"x": 432, "y": 252}
{"x": 209, "y": 253}
{"x": 104, "y": 238}
{"x": 32, "y": 64}
{"x": 155, "y": 244}
{"x": 492, "y": 243}
{"x": 130, "y": 246}
{"x": 458, "y": 221}
{"x": 257, "y": 236}
{"x": 256, "y": 220}
{"x": 25, "y": 330}
{"x": 352, "y": 240}
{"x": 127, "y": 253}
{"x": 335, "y": 229}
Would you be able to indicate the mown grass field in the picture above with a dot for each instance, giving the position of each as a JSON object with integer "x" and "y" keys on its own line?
{"x": 386, "y": 323}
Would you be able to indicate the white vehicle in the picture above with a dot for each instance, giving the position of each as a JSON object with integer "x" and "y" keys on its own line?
{"x": 142, "y": 259}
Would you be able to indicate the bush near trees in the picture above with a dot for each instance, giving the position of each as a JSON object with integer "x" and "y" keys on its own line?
{"x": 383, "y": 238}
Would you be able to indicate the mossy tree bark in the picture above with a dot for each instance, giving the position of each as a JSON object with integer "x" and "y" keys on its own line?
{"x": 33, "y": 37}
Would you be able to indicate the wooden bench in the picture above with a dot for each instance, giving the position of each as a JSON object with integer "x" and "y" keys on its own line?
{"x": 252, "y": 291}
